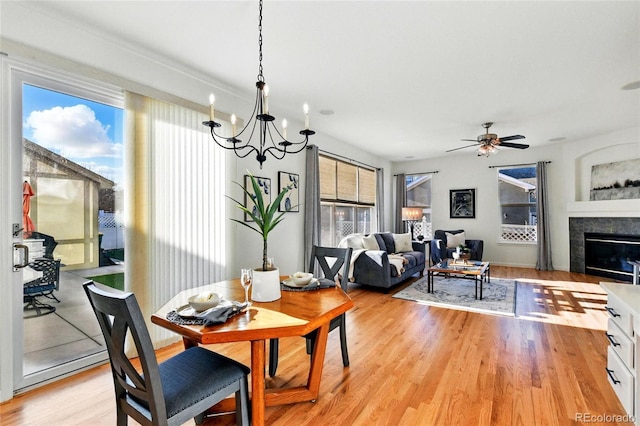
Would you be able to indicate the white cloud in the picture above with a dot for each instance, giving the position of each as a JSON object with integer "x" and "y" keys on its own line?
{"x": 73, "y": 132}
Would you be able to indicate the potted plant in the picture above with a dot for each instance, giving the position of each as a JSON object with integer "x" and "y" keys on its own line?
{"x": 266, "y": 280}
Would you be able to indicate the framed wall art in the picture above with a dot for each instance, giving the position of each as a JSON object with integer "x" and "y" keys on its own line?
{"x": 615, "y": 181}
{"x": 462, "y": 203}
{"x": 249, "y": 198}
{"x": 291, "y": 201}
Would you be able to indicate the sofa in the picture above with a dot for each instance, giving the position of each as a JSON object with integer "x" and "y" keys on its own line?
{"x": 384, "y": 259}
{"x": 443, "y": 245}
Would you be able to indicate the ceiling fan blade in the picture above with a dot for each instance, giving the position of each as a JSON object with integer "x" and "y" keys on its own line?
{"x": 511, "y": 138}
{"x": 514, "y": 145}
{"x": 462, "y": 147}
{"x": 469, "y": 140}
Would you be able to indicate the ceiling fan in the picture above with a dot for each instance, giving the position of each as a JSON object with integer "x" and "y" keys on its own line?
{"x": 489, "y": 142}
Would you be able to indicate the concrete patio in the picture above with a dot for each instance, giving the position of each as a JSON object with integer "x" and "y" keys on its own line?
{"x": 71, "y": 332}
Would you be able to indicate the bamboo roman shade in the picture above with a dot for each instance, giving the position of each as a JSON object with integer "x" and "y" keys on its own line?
{"x": 347, "y": 183}
{"x": 327, "y": 178}
{"x": 366, "y": 186}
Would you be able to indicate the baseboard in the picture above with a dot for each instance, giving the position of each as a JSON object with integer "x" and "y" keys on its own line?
{"x": 529, "y": 266}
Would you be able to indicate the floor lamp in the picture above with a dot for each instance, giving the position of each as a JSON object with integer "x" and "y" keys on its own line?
{"x": 411, "y": 215}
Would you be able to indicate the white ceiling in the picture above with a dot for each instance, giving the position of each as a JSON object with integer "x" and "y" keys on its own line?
{"x": 405, "y": 78}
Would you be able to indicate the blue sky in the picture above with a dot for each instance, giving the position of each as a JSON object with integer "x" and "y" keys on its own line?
{"x": 86, "y": 132}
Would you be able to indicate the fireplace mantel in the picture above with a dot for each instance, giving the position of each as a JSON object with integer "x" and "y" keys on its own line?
{"x": 608, "y": 208}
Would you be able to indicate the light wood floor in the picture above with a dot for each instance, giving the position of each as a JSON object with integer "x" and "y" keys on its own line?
{"x": 415, "y": 365}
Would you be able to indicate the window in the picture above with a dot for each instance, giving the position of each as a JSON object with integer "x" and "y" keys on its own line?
{"x": 517, "y": 195}
{"x": 73, "y": 160}
{"x": 347, "y": 200}
{"x": 419, "y": 195}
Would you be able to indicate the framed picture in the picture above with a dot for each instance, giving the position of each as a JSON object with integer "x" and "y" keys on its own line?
{"x": 462, "y": 203}
{"x": 249, "y": 199}
{"x": 291, "y": 201}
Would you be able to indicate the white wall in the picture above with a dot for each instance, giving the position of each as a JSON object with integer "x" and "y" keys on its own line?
{"x": 569, "y": 179}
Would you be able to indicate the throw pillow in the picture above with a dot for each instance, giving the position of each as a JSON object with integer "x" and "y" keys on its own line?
{"x": 387, "y": 238}
{"x": 354, "y": 241}
{"x": 402, "y": 242}
{"x": 369, "y": 242}
{"x": 454, "y": 240}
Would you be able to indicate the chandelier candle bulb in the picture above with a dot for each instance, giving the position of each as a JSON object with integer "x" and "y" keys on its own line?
{"x": 233, "y": 124}
{"x": 284, "y": 128}
{"x": 265, "y": 91}
{"x": 212, "y": 100}
{"x": 305, "y": 108}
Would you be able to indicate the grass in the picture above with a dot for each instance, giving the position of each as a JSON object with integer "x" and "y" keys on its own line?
{"x": 112, "y": 280}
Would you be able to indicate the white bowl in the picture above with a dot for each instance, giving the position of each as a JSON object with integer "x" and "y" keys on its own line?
{"x": 301, "y": 278}
{"x": 199, "y": 303}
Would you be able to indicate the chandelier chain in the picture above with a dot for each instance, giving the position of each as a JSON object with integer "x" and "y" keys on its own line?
{"x": 260, "y": 76}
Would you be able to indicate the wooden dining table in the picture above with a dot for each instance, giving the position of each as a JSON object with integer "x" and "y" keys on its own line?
{"x": 296, "y": 313}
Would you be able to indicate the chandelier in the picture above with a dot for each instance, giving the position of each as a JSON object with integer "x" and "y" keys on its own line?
{"x": 261, "y": 119}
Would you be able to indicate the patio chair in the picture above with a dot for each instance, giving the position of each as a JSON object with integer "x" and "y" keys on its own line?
{"x": 334, "y": 264}
{"x": 172, "y": 392}
{"x": 43, "y": 286}
{"x": 49, "y": 243}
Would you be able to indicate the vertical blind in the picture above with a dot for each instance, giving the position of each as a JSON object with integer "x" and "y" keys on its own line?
{"x": 345, "y": 182}
{"x": 184, "y": 237}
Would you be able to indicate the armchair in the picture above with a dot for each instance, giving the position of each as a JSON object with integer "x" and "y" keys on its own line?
{"x": 443, "y": 247}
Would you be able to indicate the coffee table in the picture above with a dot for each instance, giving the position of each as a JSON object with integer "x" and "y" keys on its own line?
{"x": 479, "y": 271}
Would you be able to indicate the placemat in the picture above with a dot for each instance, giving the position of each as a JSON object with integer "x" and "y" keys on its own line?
{"x": 321, "y": 283}
{"x": 217, "y": 315}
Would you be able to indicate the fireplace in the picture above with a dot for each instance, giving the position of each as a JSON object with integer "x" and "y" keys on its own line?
{"x": 608, "y": 255}
{"x": 580, "y": 227}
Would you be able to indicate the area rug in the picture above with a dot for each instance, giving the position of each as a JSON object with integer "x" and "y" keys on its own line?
{"x": 498, "y": 296}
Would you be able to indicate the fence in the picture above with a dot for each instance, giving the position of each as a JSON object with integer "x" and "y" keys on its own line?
{"x": 427, "y": 232}
{"x": 111, "y": 226}
{"x": 520, "y": 233}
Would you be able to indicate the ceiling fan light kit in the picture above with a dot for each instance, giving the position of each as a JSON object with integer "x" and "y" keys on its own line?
{"x": 489, "y": 142}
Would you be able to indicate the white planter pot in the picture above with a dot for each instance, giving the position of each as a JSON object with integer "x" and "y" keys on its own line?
{"x": 266, "y": 286}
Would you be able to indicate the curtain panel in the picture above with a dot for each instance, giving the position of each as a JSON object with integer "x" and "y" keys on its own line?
{"x": 312, "y": 219}
{"x": 544, "y": 232}
{"x": 380, "y": 199}
{"x": 175, "y": 221}
{"x": 401, "y": 201}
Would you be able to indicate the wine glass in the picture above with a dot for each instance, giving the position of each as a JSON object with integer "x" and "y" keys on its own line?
{"x": 246, "y": 278}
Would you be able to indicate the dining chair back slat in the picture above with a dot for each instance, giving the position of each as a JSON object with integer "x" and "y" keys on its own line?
{"x": 339, "y": 257}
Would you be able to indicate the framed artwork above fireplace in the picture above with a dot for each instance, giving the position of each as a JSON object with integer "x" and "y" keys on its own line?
{"x": 615, "y": 181}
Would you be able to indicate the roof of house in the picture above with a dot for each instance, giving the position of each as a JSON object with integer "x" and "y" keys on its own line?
{"x": 59, "y": 162}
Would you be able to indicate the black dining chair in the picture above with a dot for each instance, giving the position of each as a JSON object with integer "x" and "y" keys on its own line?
{"x": 42, "y": 286}
{"x": 172, "y": 392}
{"x": 334, "y": 265}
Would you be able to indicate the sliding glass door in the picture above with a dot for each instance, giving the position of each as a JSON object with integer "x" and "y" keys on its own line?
{"x": 71, "y": 174}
